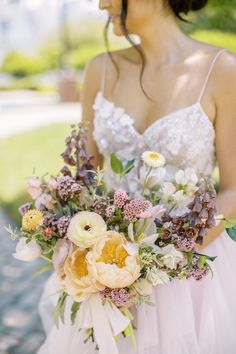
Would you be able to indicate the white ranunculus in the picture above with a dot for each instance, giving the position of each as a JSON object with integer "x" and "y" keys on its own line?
{"x": 86, "y": 228}
{"x": 171, "y": 256}
{"x": 157, "y": 276}
{"x": 143, "y": 287}
{"x": 27, "y": 252}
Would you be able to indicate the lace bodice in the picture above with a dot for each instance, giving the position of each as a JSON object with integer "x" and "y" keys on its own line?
{"x": 185, "y": 137}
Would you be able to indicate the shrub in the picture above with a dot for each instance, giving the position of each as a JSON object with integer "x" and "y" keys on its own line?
{"x": 78, "y": 58}
{"x": 20, "y": 65}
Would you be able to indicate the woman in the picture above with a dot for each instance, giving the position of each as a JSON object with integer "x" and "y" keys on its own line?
{"x": 185, "y": 108}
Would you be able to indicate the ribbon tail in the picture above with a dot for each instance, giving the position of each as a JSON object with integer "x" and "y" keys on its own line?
{"x": 101, "y": 325}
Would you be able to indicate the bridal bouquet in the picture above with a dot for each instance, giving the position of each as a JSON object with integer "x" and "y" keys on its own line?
{"x": 110, "y": 248}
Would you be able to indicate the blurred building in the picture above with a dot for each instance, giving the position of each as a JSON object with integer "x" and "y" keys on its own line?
{"x": 25, "y": 24}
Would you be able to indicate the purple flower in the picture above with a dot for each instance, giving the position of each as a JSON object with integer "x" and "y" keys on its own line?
{"x": 120, "y": 297}
{"x": 23, "y": 209}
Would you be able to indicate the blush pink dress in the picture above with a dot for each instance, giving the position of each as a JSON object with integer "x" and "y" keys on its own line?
{"x": 189, "y": 317}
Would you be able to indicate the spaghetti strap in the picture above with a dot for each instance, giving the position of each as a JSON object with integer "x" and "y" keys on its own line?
{"x": 209, "y": 73}
{"x": 103, "y": 79}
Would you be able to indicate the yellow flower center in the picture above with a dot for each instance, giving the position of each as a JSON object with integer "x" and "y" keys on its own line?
{"x": 79, "y": 264}
{"x": 32, "y": 220}
{"x": 154, "y": 155}
{"x": 114, "y": 253}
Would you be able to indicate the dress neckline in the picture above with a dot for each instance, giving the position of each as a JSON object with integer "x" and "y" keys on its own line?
{"x": 166, "y": 116}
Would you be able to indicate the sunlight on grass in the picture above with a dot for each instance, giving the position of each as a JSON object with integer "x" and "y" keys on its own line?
{"x": 20, "y": 155}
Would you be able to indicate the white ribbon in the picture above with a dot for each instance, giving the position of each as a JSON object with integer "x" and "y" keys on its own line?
{"x": 106, "y": 320}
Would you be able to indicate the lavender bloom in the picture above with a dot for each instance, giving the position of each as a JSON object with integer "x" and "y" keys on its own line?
{"x": 23, "y": 209}
{"x": 63, "y": 224}
{"x": 67, "y": 187}
{"x": 185, "y": 244}
{"x": 120, "y": 297}
{"x": 50, "y": 221}
{"x": 198, "y": 273}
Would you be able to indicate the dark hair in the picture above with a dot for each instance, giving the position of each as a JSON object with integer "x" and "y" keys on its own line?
{"x": 184, "y": 6}
{"x": 177, "y": 6}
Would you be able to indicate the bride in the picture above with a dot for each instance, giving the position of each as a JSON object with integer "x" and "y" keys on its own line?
{"x": 174, "y": 95}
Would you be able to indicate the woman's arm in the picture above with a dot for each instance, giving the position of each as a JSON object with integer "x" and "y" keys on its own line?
{"x": 225, "y": 127}
{"x": 90, "y": 86}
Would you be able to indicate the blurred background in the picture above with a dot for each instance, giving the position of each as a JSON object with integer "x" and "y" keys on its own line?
{"x": 44, "y": 46}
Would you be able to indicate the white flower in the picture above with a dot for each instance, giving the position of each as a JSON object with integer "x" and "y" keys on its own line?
{"x": 34, "y": 187}
{"x": 27, "y": 252}
{"x": 155, "y": 177}
{"x": 153, "y": 159}
{"x": 45, "y": 200}
{"x": 85, "y": 228}
{"x": 171, "y": 256}
{"x": 61, "y": 251}
{"x": 143, "y": 287}
{"x": 167, "y": 190}
{"x": 157, "y": 276}
{"x": 187, "y": 176}
{"x": 179, "y": 211}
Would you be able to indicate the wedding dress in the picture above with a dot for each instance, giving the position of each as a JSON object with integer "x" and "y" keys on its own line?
{"x": 189, "y": 317}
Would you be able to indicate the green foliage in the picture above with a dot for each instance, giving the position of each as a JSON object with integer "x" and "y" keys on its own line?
{"x": 74, "y": 310}
{"x": 27, "y": 83}
{"x": 59, "y": 310}
{"x": 217, "y": 38}
{"x": 20, "y": 65}
{"x": 219, "y": 15}
{"x": 79, "y": 57}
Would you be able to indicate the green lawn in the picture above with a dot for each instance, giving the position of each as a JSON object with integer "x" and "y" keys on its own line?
{"x": 37, "y": 150}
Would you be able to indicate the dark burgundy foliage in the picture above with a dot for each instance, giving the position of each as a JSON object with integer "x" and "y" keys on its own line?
{"x": 76, "y": 156}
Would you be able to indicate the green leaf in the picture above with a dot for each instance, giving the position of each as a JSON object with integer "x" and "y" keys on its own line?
{"x": 232, "y": 232}
{"x": 129, "y": 166}
{"x": 190, "y": 258}
{"x": 74, "y": 309}
{"x": 43, "y": 269}
{"x": 116, "y": 164}
{"x": 58, "y": 313}
{"x": 228, "y": 223}
{"x": 201, "y": 262}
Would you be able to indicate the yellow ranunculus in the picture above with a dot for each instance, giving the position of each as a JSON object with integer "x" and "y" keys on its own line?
{"x": 32, "y": 220}
{"x": 77, "y": 280}
{"x": 85, "y": 228}
{"x": 110, "y": 263}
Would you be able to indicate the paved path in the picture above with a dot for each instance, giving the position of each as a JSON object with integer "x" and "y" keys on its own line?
{"x": 20, "y": 327}
{"x": 24, "y": 110}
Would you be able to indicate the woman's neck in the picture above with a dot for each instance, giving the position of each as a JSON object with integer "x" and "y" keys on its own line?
{"x": 162, "y": 41}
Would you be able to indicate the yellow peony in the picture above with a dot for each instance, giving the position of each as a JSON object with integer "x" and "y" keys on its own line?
{"x": 85, "y": 228}
{"x": 32, "y": 220}
{"x": 153, "y": 159}
{"x": 110, "y": 263}
{"x": 77, "y": 280}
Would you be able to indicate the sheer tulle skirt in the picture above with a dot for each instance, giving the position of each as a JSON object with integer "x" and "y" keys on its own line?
{"x": 189, "y": 317}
